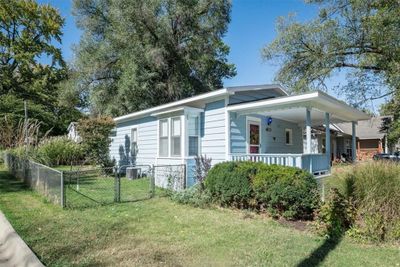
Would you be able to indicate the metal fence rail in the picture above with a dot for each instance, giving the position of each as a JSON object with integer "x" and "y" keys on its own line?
{"x": 47, "y": 181}
{"x": 97, "y": 186}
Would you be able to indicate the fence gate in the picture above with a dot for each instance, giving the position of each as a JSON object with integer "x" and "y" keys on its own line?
{"x": 89, "y": 187}
{"x": 126, "y": 183}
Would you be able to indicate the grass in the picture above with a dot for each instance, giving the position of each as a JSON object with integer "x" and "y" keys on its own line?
{"x": 158, "y": 232}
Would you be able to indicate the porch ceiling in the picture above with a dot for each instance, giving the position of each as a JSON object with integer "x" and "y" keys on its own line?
{"x": 293, "y": 108}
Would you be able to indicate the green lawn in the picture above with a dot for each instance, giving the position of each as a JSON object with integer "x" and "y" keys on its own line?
{"x": 158, "y": 232}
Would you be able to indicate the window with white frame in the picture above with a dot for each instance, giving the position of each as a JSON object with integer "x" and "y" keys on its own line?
{"x": 288, "y": 136}
{"x": 163, "y": 138}
{"x": 193, "y": 133}
{"x": 134, "y": 145}
{"x": 176, "y": 136}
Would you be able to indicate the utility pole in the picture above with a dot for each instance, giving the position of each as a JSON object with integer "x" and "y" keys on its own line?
{"x": 26, "y": 127}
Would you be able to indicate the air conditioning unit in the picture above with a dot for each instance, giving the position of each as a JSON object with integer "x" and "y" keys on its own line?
{"x": 132, "y": 173}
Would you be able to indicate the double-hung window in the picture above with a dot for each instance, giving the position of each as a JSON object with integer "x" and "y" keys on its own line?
{"x": 176, "y": 136}
{"x": 193, "y": 132}
{"x": 163, "y": 135}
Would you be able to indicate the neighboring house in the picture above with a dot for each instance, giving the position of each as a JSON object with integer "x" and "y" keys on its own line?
{"x": 73, "y": 132}
{"x": 258, "y": 123}
{"x": 371, "y": 138}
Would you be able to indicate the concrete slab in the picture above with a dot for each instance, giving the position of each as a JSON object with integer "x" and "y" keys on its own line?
{"x": 13, "y": 250}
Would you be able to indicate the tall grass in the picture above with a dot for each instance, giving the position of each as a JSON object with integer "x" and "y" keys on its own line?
{"x": 374, "y": 188}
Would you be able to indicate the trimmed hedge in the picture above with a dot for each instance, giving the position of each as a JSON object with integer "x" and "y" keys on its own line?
{"x": 286, "y": 191}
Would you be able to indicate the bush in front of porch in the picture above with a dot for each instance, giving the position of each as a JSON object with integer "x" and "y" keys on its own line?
{"x": 281, "y": 190}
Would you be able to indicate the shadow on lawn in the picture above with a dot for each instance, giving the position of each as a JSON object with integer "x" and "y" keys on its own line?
{"x": 10, "y": 184}
{"x": 320, "y": 253}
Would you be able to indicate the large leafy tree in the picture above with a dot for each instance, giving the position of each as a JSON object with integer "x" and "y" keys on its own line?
{"x": 141, "y": 53}
{"x": 31, "y": 66}
{"x": 357, "y": 37}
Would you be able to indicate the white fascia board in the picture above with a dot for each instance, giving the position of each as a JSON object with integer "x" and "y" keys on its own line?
{"x": 276, "y": 87}
{"x": 317, "y": 99}
{"x": 183, "y": 108}
{"x": 141, "y": 113}
{"x": 273, "y": 102}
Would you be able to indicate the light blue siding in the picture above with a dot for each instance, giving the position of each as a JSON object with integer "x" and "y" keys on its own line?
{"x": 213, "y": 131}
{"x": 271, "y": 141}
{"x": 120, "y": 148}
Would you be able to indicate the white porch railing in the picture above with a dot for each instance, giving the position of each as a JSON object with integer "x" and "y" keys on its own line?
{"x": 314, "y": 163}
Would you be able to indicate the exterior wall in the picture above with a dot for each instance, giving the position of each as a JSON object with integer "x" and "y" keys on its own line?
{"x": 246, "y": 96}
{"x": 367, "y": 148}
{"x": 120, "y": 148}
{"x": 212, "y": 131}
{"x": 271, "y": 141}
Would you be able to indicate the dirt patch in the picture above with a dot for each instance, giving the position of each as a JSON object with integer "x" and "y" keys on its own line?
{"x": 298, "y": 225}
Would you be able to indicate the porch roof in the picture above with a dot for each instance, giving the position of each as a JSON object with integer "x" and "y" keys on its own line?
{"x": 292, "y": 108}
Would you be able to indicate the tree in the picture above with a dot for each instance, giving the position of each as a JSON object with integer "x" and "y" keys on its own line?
{"x": 142, "y": 53}
{"x": 95, "y": 133}
{"x": 31, "y": 66}
{"x": 360, "y": 37}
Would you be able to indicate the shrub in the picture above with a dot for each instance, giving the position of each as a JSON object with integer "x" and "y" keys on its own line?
{"x": 229, "y": 183}
{"x": 194, "y": 196}
{"x": 56, "y": 151}
{"x": 336, "y": 215}
{"x": 95, "y": 134}
{"x": 375, "y": 189}
{"x": 287, "y": 191}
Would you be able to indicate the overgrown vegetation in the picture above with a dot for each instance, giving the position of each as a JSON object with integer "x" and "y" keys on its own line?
{"x": 95, "y": 134}
{"x": 19, "y": 133}
{"x": 336, "y": 215}
{"x": 366, "y": 205}
{"x": 286, "y": 191}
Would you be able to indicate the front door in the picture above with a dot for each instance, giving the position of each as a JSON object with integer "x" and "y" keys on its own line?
{"x": 254, "y": 137}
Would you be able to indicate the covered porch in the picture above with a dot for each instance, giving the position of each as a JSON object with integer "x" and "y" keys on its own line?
{"x": 272, "y": 130}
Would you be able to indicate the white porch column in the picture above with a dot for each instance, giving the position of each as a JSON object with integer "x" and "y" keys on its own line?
{"x": 353, "y": 141}
{"x": 327, "y": 140}
{"x": 308, "y": 131}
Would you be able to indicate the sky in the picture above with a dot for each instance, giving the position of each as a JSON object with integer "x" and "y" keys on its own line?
{"x": 252, "y": 27}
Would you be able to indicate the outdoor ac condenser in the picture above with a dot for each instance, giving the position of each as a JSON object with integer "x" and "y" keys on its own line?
{"x": 132, "y": 173}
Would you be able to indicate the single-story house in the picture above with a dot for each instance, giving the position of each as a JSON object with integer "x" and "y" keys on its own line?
{"x": 258, "y": 123}
{"x": 73, "y": 132}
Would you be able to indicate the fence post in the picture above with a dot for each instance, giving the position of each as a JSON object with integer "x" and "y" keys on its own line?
{"x": 184, "y": 176}
{"x": 62, "y": 190}
{"x": 152, "y": 181}
{"x": 117, "y": 185}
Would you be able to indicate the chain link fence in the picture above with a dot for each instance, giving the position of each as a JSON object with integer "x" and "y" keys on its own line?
{"x": 45, "y": 180}
{"x": 98, "y": 186}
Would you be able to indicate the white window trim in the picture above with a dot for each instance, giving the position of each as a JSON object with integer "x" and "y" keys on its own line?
{"x": 257, "y": 120}
{"x": 168, "y": 138}
{"x": 198, "y": 136}
{"x": 290, "y": 136}
{"x": 171, "y": 136}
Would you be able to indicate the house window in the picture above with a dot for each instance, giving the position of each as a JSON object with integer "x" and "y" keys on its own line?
{"x": 193, "y": 132}
{"x": 288, "y": 136}
{"x": 163, "y": 142}
{"x": 134, "y": 141}
{"x": 176, "y": 136}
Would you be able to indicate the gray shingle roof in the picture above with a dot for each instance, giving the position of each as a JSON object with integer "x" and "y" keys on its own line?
{"x": 367, "y": 129}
